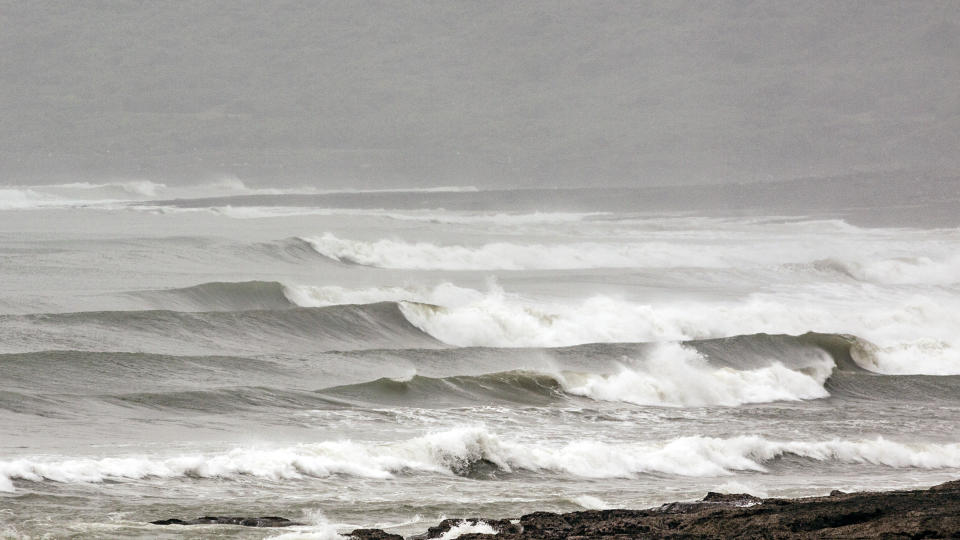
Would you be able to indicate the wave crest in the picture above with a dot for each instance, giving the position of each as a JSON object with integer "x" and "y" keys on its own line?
{"x": 674, "y": 375}
{"x": 395, "y": 254}
{"x": 466, "y": 451}
{"x": 668, "y": 375}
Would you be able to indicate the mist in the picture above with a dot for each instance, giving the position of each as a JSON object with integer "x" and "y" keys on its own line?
{"x": 492, "y": 94}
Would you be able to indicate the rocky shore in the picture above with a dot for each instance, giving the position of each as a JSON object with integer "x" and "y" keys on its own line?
{"x": 929, "y": 513}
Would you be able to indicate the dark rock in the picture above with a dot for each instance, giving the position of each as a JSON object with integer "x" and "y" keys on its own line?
{"x": 266, "y": 521}
{"x": 169, "y": 522}
{"x": 499, "y": 525}
{"x": 712, "y": 500}
{"x": 373, "y": 534}
{"x": 930, "y": 513}
{"x": 733, "y": 499}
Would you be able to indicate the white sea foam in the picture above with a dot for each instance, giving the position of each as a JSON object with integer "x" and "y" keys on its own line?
{"x": 448, "y": 452}
{"x": 76, "y": 194}
{"x": 22, "y": 199}
{"x": 141, "y": 188}
{"x": 590, "y": 502}
{"x": 313, "y": 533}
{"x": 674, "y": 375}
{"x": 903, "y": 270}
{"x": 465, "y": 527}
{"x": 735, "y": 486}
{"x": 113, "y": 194}
{"x": 319, "y": 528}
{"x": 907, "y": 257}
{"x": 395, "y": 254}
{"x": 446, "y": 294}
{"x": 910, "y": 333}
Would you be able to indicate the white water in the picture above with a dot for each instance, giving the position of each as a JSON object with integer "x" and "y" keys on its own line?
{"x": 113, "y": 194}
{"x": 912, "y": 333}
{"x": 909, "y": 332}
{"x": 678, "y": 376}
{"x": 663, "y": 425}
{"x": 447, "y": 451}
{"x": 466, "y": 528}
{"x": 862, "y": 255}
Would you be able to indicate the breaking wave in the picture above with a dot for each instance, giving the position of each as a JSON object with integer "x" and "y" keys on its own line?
{"x": 898, "y": 270}
{"x": 477, "y": 451}
{"x": 506, "y": 256}
{"x": 678, "y": 376}
{"x": 914, "y": 336}
{"x": 913, "y": 259}
{"x": 669, "y": 375}
{"x": 423, "y": 216}
{"x": 905, "y": 334}
{"x": 721, "y": 372}
{"x": 902, "y": 333}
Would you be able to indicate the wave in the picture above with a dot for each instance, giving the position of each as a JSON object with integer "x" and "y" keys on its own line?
{"x": 476, "y": 451}
{"x": 75, "y": 372}
{"x": 666, "y": 252}
{"x": 885, "y": 256}
{"x": 221, "y": 296}
{"x": 117, "y": 192}
{"x": 77, "y": 194}
{"x": 902, "y": 333}
{"x": 274, "y": 295}
{"x": 678, "y": 376}
{"x": 437, "y": 216}
{"x": 444, "y": 294}
{"x": 899, "y": 270}
{"x": 723, "y": 372}
{"x": 909, "y": 335}
{"x": 669, "y": 375}
{"x": 394, "y": 254}
{"x": 292, "y": 330}
{"x": 732, "y": 371}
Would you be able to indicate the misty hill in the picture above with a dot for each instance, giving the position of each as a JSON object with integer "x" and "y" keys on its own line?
{"x": 485, "y": 93}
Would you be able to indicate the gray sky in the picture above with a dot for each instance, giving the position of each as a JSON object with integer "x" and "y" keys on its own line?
{"x": 483, "y": 93}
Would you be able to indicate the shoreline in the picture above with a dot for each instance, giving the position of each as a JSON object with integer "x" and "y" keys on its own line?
{"x": 919, "y": 513}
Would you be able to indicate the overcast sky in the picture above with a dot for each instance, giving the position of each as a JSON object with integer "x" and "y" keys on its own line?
{"x": 483, "y": 93}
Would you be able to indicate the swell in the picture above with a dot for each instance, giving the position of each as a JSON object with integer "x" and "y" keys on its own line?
{"x": 294, "y": 250}
{"x": 293, "y": 330}
{"x": 224, "y": 400}
{"x": 94, "y": 372}
{"x": 911, "y": 335}
{"x": 478, "y": 452}
{"x": 220, "y": 296}
{"x": 518, "y": 387}
{"x": 387, "y": 253}
{"x": 725, "y": 372}
{"x": 733, "y": 371}
{"x": 921, "y": 258}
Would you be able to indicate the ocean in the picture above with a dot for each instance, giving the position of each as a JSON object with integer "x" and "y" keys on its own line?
{"x": 386, "y": 359}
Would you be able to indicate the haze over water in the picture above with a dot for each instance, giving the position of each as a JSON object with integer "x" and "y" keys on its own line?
{"x": 376, "y": 264}
{"x": 363, "y": 366}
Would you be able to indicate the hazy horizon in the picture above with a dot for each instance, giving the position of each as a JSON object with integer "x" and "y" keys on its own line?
{"x": 388, "y": 264}
{"x": 382, "y": 95}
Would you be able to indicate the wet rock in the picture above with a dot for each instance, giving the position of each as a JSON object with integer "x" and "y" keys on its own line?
{"x": 373, "y": 534}
{"x": 499, "y": 525}
{"x": 712, "y": 500}
{"x": 930, "y": 513}
{"x": 266, "y": 521}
